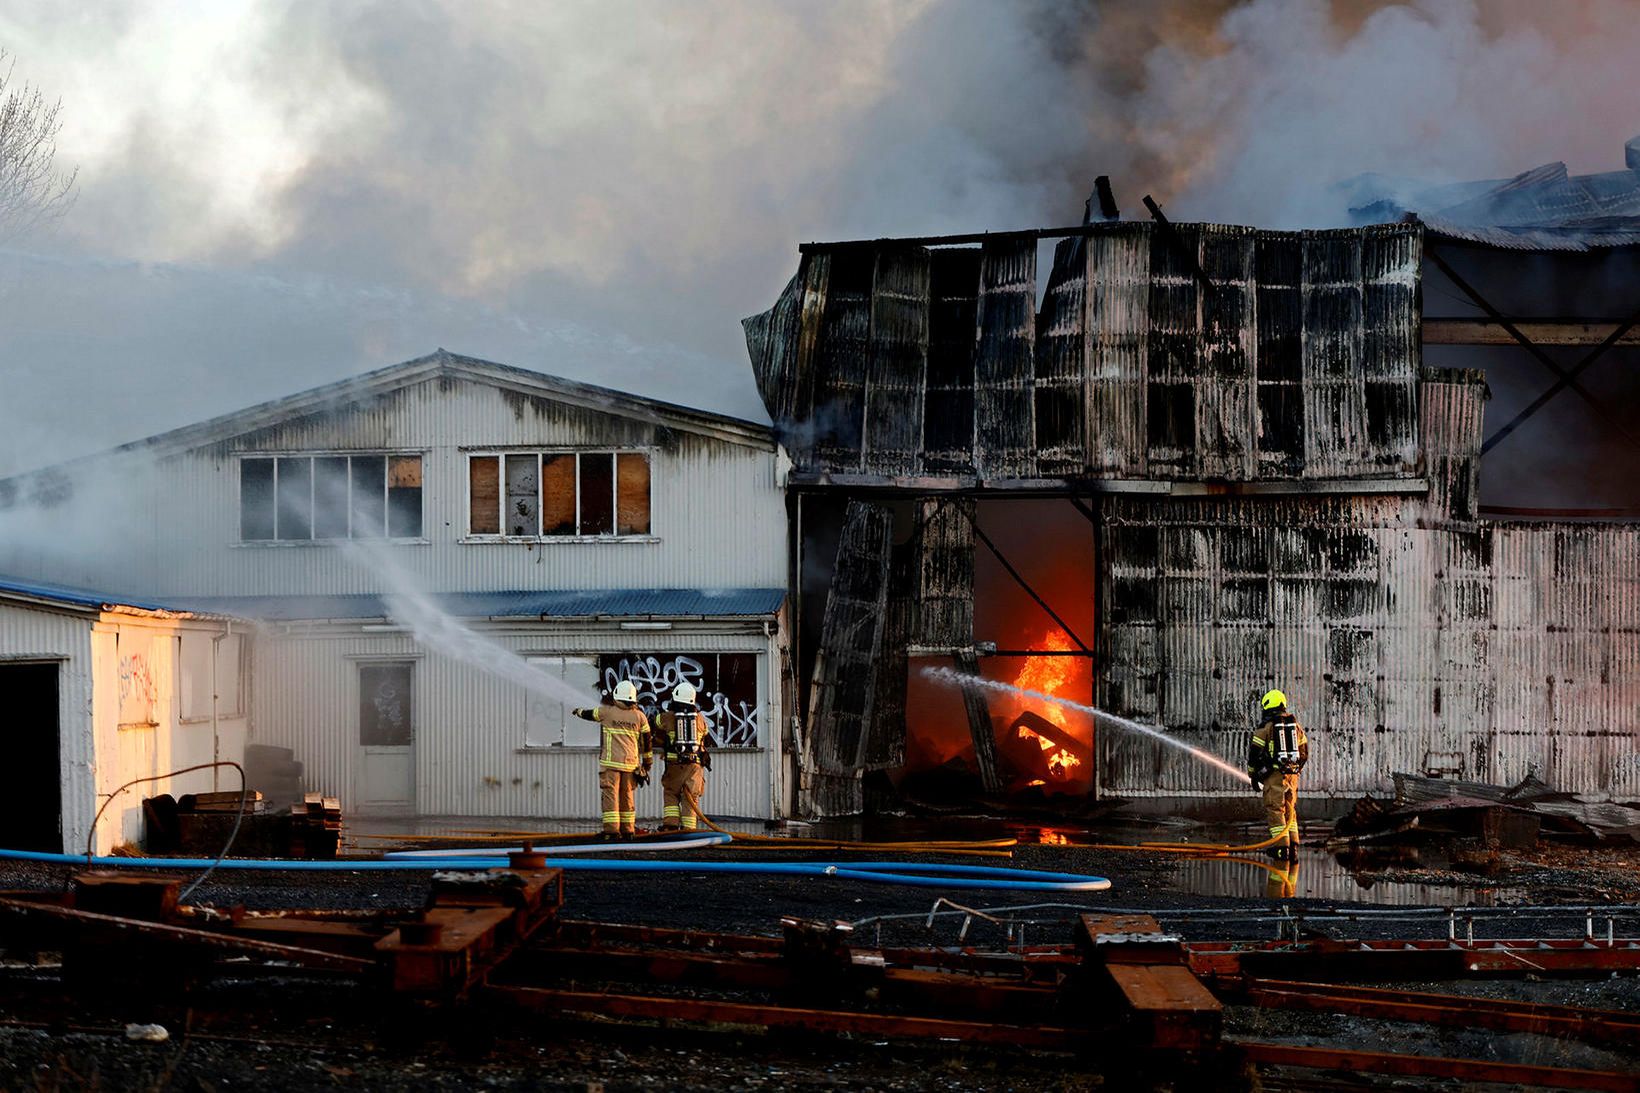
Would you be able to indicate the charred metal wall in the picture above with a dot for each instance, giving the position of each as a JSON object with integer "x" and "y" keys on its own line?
{"x": 1407, "y": 635}
{"x": 1296, "y": 358}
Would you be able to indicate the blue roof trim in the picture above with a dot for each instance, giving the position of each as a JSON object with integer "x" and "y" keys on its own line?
{"x": 623, "y": 603}
{"x": 77, "y": 597}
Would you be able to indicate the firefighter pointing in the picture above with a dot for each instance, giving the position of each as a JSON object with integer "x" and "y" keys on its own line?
{"x": 683, "y": 735}
{"x": 623, "y": 758}
{"x": 1278, "y": 751}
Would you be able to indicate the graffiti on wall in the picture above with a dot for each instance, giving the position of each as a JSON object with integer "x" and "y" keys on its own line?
{"x": 725, "y": 687}
{"x": 138, "y": 691}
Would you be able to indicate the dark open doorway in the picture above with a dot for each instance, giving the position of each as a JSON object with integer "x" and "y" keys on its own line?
{"x": 34, "y": 744}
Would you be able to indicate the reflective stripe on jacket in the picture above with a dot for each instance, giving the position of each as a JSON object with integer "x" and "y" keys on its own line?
{"x": 625, "y": 736}
{"x": 1263, "y": 752}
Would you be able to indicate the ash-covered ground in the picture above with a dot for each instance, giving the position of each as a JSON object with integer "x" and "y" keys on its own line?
{"x": 301, "y": 1034}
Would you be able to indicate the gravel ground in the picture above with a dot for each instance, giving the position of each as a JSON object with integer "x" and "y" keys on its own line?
{"x": 85, "y": 1049}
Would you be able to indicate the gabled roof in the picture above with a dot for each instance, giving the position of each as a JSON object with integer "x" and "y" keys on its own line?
{"x": 442, "y": 364}
{"x": 85, "y": 600}
{"x": 626, "y": 603}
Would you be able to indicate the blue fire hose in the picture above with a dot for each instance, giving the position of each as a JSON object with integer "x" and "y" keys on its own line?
{"x": 915, "y": 874}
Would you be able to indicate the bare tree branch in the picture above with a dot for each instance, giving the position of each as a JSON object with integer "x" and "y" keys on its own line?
{"x": 32, "y": 190}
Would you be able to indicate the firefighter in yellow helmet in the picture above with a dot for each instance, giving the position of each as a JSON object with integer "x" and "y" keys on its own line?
{"x": 623, "y": 758}
{"x": 683, "y": 736}
{"x": 1277, "y": 752}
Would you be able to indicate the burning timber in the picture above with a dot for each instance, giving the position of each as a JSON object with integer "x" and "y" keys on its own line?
{"x": 1275, "y": 489}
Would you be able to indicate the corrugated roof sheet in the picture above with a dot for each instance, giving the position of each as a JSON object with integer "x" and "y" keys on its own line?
{"x": 533, "y": 604}
{"x": 78, "y": 597}
{"x": 1545, "y": 208}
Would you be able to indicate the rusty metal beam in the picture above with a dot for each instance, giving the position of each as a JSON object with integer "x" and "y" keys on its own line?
{"x": 1423, "y": 958}
{"x": 58, "y": 920}
{"x": 1475, "y": 1070}
{"x": 1566, "y": 378}
{"x": 894, "y": 1026}
{"x": 1175, "y": 241}
{"x": 1539, "y": 332}
{"x": 1457, "y": 1010}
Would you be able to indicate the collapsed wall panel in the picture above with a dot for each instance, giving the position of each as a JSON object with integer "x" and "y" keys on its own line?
{"x": 945, "y": 574}
{"x": 844, "y": 687}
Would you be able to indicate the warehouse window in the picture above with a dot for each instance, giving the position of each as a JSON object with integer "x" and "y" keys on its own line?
{"x": 306, "y": 498}
{"x": 550, "y": 495}
{"x": 200, "y": 676}
{"x": 548, "y": 722}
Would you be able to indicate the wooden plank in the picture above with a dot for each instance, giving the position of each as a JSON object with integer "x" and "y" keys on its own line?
{"x": 1538, "y": 331}
{"x": 1170, "y": 1005}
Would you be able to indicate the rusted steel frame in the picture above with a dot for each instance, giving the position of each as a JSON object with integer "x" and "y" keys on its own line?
{"x": 46, "y": 917}
{"x": 1475, "y": 1070}
{"x": 1176, "y": 242}
{"x": 1023, "y": 583}
{"x": 1541, "y": 331}
{"x": 1463, "y": 1011}
{"x": 586, "y": 932}
{"x": 1433, "y": 957}
{"x": 957, "y": 240}
{"x": 1031, "y": 965}
{"x": 1566, "y": 378}
{"x": 889, "y": 1025}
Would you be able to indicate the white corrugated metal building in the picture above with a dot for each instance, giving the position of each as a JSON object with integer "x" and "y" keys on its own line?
{"x": 101, "y": 692}
{"x": 404, "y": 537}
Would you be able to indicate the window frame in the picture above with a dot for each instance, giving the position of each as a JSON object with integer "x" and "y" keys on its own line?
{"x": 274, "y": 456}
{"x": 541, "y": 453}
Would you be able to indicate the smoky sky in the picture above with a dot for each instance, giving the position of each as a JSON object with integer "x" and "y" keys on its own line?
{"x": 274, "y": 196}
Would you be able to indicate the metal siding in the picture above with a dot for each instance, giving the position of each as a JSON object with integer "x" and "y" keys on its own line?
{"x": 1335, "y": 428}
{"x": 1061, "y": 376}
{"x": 470, "y": 725}
{"x": 897, "y": 371}
{"x": 1004, "y": 410}
{"x": 718, "y": 510}
{"x": 638, "y": 602}
{"x": 1117, "y": 354}
{"x": 1226, "y": 410}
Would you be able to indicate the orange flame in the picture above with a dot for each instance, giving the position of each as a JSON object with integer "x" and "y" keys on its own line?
{"x": 1050, "y": 676}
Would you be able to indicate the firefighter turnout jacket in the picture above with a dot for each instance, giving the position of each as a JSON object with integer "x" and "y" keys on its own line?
{"x": 625, "y": 739}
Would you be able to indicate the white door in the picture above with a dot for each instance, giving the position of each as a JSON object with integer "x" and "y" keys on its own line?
{"x": 387, "y": 736}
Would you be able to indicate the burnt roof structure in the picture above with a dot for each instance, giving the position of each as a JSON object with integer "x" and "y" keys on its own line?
{"x": 1280, "y": 493}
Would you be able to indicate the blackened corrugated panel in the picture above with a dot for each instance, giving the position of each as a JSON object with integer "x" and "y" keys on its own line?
{"x": 945, "y": 574}
{"x": 948, "y": 417}
{"x": 1335, "y": 430}
{"x": 1060, "y": 350}
{"x": 1226, "y": 416}
{"x": 1118, "y": 348}
{"x": 1174, "y": 352}
{"x": 898, "y": 367}
{"x": 841, "y": 355}
{"x": 846, "y": 667}
{"x": 884, "y": 742}
{"x": 800, "y": 435}
{"x": 1451, "y": 420}
{"x": 1005, "y": 360}
{"x": 1278, "y": 271}
{"x": 1391, "y": 258}
{"x": 771, "y": 341}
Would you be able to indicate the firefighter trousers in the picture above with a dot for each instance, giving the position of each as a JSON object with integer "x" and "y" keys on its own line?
{"x": 678, "y": 778}
{"x": 1281, "y": 807}
{"x": 615, "y": 790}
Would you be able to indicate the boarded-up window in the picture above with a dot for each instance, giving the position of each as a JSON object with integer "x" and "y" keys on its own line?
{"x": 548, "y": 722}
{"x": 295, "y": 489}
{"x": 523, "y": 495}
{"x": 484, "y": 495}
{"x": 632, "y": 494}
{"x": 725, "y": 687}
{"x": 597, "y": 493}
{"x": 330, "y": 497}
{"x": 198, "y": 650}
{"x": 386, "y": 706}
{"x": 369, "y": 496}
{"x": 404, "y": 496}
{"x": 256, "y": 499}
{"x": 558, "y": 495}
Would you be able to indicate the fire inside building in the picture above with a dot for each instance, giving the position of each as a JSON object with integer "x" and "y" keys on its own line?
{"x": 1199, "y": 462}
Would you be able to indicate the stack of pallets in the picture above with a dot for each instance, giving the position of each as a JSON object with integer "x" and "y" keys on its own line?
{"x": 315, "y": 826}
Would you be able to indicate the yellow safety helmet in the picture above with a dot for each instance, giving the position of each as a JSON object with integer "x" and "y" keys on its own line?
{"x": 626, "y": 691}
{"x": 1273, "y": 700}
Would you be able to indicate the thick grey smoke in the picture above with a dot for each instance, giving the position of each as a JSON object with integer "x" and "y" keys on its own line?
{"x": 277, "y": 196}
